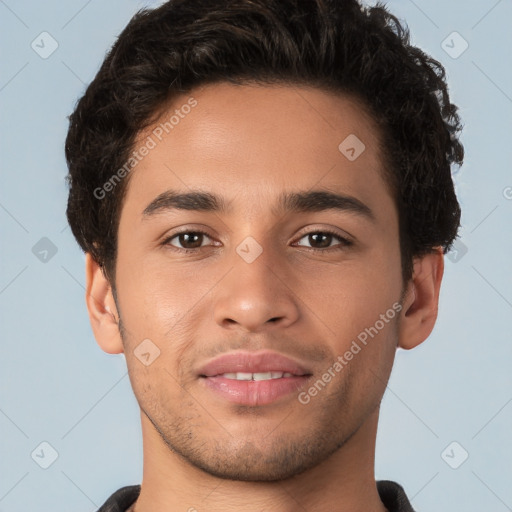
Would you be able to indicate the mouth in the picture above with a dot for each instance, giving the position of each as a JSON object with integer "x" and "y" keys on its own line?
{"x": 254, "y": 378}
{"x": 259, "y": 376}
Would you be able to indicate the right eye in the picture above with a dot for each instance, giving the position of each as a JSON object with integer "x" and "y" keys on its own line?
{"x": 189, "y": 240}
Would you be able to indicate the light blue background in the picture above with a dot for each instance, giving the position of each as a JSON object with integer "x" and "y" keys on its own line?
{"x": 58, "y": 386}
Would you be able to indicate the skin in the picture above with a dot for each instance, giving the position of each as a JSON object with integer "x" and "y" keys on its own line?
{"x": 249, "y": 144}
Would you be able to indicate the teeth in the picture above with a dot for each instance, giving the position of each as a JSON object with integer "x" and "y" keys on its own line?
{"x": 262, "y": 376}
{"x": 256, "y": 376}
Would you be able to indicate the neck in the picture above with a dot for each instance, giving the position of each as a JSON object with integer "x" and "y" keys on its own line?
{"x": 344, "y": 482}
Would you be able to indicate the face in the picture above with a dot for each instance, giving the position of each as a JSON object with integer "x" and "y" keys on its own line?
{"x": 286, "y": 269}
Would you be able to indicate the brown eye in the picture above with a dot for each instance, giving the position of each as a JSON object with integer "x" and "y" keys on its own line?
{"x": 319, "y": 240}
{"x": 188, "y": 240}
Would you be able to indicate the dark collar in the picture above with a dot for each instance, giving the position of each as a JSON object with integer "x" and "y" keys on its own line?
{"x": 391, "y": 494}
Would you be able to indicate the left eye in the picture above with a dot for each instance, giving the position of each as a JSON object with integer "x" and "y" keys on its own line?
{"x": 324, "y": 239}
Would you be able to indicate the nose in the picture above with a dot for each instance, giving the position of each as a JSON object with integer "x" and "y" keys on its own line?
{"x": 256, "y": 296}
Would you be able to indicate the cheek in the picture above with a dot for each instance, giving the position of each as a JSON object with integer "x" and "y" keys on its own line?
{"x": 159, "y": 366}
{"x": 353, "y": 296}
{"x": 359, "y": 304}
{"x": 165, "y": 304}
{"x": 153, "y": 386}
{"x": 152, "y": 297}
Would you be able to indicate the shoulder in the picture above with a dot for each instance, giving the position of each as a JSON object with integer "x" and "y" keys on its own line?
{"x": 393, "y": 496}
{"x": 121, "y": 499}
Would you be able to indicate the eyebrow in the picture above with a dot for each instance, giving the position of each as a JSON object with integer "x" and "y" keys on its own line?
{"x": 295, "y": 202}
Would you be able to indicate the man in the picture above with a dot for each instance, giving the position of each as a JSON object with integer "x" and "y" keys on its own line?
{"x": 263, "y": 191}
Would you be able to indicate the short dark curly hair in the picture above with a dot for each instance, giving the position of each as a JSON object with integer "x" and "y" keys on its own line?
{"x": 334, "y": 45}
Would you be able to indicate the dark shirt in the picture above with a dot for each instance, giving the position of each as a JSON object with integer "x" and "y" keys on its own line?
{"x": 391, "y": 494}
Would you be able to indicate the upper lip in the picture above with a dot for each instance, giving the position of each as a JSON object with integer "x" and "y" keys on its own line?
{"x": 252, "y": 362}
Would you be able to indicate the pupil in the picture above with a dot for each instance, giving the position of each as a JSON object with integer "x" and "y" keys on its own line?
{"x": 186, "y": 239}
{"x": 314, "y": 238}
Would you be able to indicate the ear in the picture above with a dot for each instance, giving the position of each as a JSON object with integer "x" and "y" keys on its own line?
{"x": 419, "y": 312}
{"x": 102, "y": 309}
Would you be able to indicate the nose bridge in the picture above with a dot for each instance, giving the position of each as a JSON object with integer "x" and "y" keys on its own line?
{"x": 253, "y": 294}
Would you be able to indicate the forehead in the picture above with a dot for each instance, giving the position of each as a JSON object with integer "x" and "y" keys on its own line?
{"x": 251, "y": 143}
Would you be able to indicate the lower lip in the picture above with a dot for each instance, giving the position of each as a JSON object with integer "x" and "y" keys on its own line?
{"x": 255, "y": 392}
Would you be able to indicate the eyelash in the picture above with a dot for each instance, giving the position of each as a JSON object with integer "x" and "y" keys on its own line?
{"x": 343, "y": 245}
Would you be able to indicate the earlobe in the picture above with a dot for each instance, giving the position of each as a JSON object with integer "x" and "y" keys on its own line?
{"x": 420, "y": 303}
{"x": 101, "y": 307}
